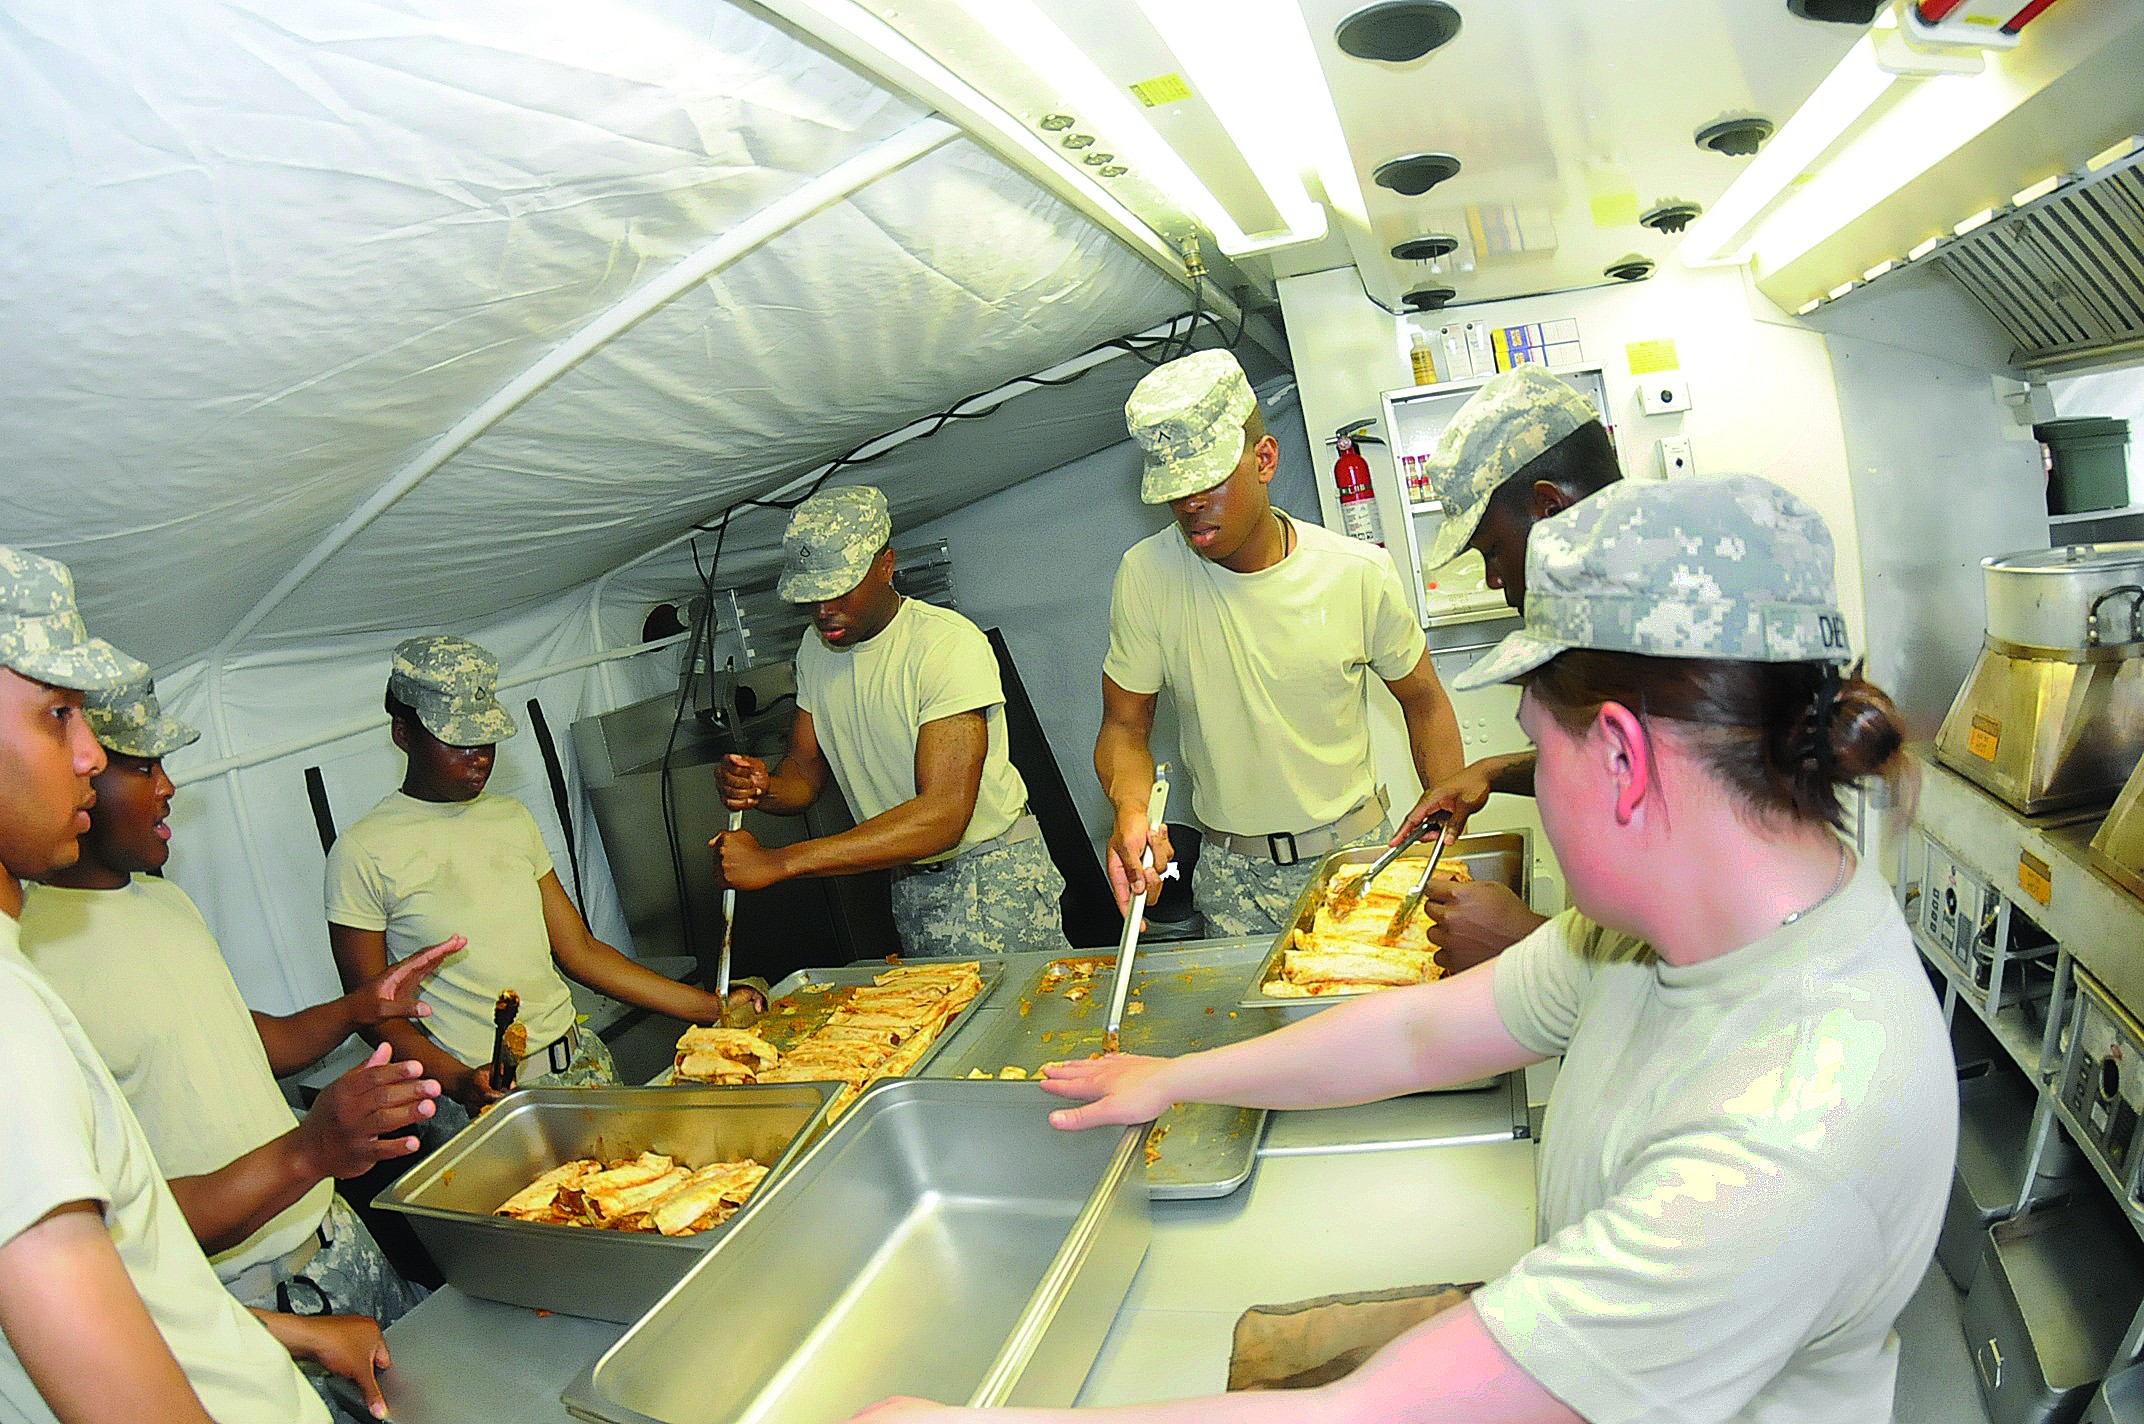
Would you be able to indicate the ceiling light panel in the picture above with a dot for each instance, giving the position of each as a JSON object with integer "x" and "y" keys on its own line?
{"x": 1839, "y": 103}
{"x": 1017, "y": 57}
{"x": 1151, "y": 86}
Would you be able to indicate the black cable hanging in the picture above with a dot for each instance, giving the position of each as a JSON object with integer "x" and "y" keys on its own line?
{"x": 1171, "y": 345}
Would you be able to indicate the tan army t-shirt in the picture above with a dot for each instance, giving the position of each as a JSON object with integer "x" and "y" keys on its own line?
{"x": 868, "y": 704}
{"x": 71, "y": 1137}
{"x": 1742, "y": 1172}
{"x": 425, "y": 871}
{"x": 1269, "y": 671}
{"x": 142, "y": 973}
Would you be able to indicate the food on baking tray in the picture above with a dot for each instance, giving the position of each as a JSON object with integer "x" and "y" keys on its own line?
{"x": 1344, "y": 952}
{"x": 876, "y": 1030}
{"x": 723, "y": 1055}
{"x": 650, "y": 1193}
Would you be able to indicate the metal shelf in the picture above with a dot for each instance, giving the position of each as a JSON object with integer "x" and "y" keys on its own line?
{"x": 2019, "y": 1037}
{"x": 2108, "y": 1177}
{"x": 2091, "y": 516}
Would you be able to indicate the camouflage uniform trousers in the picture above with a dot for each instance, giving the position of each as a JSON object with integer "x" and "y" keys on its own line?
{"x": 1248, "y": 894}
{"x": 591, "y": 1067}
{"x": 348, "y": 1276}
{"x": 1002, "y": 901}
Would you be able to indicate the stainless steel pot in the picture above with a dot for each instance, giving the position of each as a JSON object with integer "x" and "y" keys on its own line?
{"x": 2077, "y": 597}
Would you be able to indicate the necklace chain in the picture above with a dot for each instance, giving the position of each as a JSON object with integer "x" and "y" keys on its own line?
{"x": 1838, "y": 880}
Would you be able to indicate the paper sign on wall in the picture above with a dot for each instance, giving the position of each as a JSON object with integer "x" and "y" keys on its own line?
{"x": 1646, "y": 357}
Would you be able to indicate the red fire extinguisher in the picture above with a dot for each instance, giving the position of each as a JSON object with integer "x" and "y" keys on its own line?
{"x": 1358, "y": 501}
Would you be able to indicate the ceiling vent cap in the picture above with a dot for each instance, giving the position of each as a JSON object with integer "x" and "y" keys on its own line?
{"x": 1427, "y": 299}
{"x": 1416, "y": 173}
{"x": 1426, "y": 248}
{"x": 1397, "y": 31}
{"x": 1634, "y": 268}
{"x": 1737, "y": 137}
{"x": 1671, "y": 215}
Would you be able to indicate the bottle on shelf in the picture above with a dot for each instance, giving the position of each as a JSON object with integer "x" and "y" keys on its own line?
{"x": 1422, "y": 353}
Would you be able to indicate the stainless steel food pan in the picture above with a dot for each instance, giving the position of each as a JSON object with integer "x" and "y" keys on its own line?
{"x": 1505, "y": 856}
{"x": 609, "y": 1275}
{"x": 942, "y": 1239}
{"x": 801, "y": 1003}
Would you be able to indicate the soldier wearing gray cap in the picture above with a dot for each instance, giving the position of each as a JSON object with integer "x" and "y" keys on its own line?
{"x": 1750, "y": 1140}
{"x": 1524, "y": 447}
{"x": 900, "y": 703}
{"x": 135, "y": 960}
{"x": 1266, "y": 633}
{"x": 80, "y": 1191}
{"x": 440, "y": 859}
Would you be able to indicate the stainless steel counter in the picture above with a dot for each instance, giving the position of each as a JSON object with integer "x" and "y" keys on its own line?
{"x": 1413, "y": 1191}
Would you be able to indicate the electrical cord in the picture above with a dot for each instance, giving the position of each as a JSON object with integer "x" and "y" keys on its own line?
{"x": 666, "y": 787}
{"x": 699, "y": 652}
{"x": 1171, "y": 345}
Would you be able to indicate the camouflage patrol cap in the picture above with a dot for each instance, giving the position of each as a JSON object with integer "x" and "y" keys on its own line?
{"x": 1498, "y": 432}
{"x": 42, "y": 635}
{"x": 1729, "y": 567}
{"x": 1188, "y": 417}
{"x": 831, "y": 541}
{"x": 451, "y": 684}
{"x": 128, "y": 719}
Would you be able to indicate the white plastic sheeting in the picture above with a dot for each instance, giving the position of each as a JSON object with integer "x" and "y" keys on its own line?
{"x": 263, "y": 266}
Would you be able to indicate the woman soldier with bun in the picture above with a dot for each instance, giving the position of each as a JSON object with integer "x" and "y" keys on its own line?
{"x": 1748, "y": 1148}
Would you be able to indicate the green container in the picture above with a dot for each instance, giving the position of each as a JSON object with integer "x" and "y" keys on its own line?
{"x": 2088, "y": 463}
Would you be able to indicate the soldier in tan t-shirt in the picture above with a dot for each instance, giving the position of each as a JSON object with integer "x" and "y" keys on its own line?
{"x": 137, "y": 964}
{"x": 900, "y": 703}
{"x": 1265, "y": 633}
{"x": 1749, "y": 1146}
{"x": 440, "y": 857}
{"x": 109, "y": 1313}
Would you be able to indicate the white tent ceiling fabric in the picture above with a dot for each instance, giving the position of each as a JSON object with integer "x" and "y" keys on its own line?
{"x": 258, "y": 259}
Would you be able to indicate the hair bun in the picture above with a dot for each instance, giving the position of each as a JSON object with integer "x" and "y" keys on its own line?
{"x": 1866, "y": 733}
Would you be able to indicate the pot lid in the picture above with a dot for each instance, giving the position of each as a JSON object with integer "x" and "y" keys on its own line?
{"x": 2069, "y": 559}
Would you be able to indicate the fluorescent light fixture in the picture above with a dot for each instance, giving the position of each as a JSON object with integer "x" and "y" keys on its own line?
{"x": 1925, "y": 248}
{"x": 1841, "y": 290}
{"x": 2036, "y": 192}
{"x": 1101, "y": 105}
{"x": 1848, "y": 92}
{"x": 2114, "y": 153}
{"x": 1253, "y": 62}
{"x": 1979, "y": 219}
{"x": 1809, "y": 306}
{"x": 1878, "y": 270}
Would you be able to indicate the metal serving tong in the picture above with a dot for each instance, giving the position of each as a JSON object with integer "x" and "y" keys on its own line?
{"x": 729, "y": 921}
{"x": 1129, "y": 945}
{"x": 1350, "y": 895}
{"x": 1413, "y": 902}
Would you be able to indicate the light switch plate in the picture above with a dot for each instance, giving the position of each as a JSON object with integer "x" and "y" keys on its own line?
{"x": 1675, "y": 460}
{"x": 1665, "y": 392}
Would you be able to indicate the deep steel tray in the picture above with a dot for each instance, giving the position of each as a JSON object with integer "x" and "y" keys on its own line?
{"x": 1188, "y": 1002}
{"x": 941, "y": 1240}
{"x": 608, "y": 1275}
{"x": 1498, "y": 855}
{"x": 807, "y": 999}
